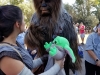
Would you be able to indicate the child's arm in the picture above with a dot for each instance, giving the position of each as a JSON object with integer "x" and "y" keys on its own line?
{"x": 37, "y": 63}
{"x": 52, "y": 71}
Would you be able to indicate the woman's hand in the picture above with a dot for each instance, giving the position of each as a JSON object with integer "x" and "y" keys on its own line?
{"x": 98, "y": 63}
{"x": 60, "y": 62}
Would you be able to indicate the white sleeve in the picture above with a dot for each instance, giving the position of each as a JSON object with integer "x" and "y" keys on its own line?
{"x": 25, "y": 71}
{"x": 37, "y": 63}
{"x": 52, "y": 71}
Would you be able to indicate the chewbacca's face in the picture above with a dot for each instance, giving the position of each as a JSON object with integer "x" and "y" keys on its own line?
{"x": 46, "y": 7}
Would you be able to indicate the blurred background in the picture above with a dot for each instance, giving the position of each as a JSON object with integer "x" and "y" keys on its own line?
{"x": 86, "y": 11}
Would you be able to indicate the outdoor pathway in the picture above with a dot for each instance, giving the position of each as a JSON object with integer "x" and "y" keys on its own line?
{"x": 83, "y": 65}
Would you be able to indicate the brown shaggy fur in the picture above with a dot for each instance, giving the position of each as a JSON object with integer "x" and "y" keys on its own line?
{"x": 55, "y": 4}
{"x": 35, "y": 38}
{"x": 47, "y": 25}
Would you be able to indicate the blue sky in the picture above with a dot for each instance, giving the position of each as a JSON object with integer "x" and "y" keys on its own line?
{"x": 69, "y": 1}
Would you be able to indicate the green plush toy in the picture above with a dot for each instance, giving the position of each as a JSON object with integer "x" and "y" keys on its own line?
{"x": 59, "y": 48}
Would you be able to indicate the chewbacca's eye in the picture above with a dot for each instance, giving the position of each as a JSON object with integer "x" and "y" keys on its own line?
{"x": 47, "y": 1}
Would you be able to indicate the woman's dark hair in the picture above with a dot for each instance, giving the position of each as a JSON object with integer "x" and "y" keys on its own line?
{"x": 9, "y": 15}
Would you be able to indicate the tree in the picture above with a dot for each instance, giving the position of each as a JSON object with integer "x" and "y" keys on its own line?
{"x": 81, "y": 11}
{"x": 16, "y": 2}
{"x": 97, "y": 12}
{"x": 4, "y": 2}
{"x": 25, "y": 5}
{"x": 97, "y": 9}
{"x": 72, "y": 12}
{"x": 27, "y": 8}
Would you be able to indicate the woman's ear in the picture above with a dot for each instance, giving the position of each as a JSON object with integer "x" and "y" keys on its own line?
{"x": 17, "y": 25}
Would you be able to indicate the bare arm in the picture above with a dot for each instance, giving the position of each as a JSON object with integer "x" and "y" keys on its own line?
{"x": 14, "y": 67}
{"x": 89, "y": 47}
{"x": 92, "y": 54}
{"x": 11, "y": 66}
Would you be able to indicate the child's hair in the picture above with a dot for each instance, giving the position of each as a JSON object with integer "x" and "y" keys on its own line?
{"x": 9, "y": 15}
{"x": 35, "y": 38}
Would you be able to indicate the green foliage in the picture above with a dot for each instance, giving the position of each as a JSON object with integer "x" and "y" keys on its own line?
{"x": 79, "y": 2}
{"x": 16, "y": 2}
{"x": 25, "y": 5}
{"x": 28, "y": 10}
{"x": 82, "y": 11}
{"x": 91, "y": 21}
{"x": 97, "y": 12}
{"x": 3, "y": 2}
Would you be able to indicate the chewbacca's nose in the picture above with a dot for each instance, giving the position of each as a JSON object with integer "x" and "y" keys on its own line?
{"x": 44, "y": 4}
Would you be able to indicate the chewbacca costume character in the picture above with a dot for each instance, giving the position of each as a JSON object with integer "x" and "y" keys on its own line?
{"x": 51, "y": 15}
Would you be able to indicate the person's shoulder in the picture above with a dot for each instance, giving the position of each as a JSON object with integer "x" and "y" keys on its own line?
{"x": 8, "y": 62}
{"x": 92, "y": 34}
{"x": 34, "y": 18}
{"x": 5, "y": 48}
{"x": 66, "y": 16}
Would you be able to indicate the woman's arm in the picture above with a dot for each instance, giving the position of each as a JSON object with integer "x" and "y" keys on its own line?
{"x": 90, "y": 47}
{"x": 11, "y": 66}
{"x": 92, "y": 54}
{"x": 52, "y": 71}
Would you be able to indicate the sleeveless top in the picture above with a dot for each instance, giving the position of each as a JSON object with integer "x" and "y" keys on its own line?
{"x": 9, "y": 52}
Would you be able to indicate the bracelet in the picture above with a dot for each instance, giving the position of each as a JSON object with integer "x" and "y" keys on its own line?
{"x": 97, "y": 60}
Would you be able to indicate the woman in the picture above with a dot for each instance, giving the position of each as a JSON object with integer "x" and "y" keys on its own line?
{"x": 14, "y": 59}
{"x": 92, "y": 53}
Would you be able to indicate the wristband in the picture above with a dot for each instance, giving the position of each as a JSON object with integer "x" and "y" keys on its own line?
{"x": 97, "y": 60}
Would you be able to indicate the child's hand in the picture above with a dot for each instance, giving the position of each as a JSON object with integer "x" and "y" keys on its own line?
{"x": 33, "y": 52}
{"x": 60, "y": 62}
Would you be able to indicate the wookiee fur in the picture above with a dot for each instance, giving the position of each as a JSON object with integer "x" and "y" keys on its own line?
{"x": 58, "y": 22}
